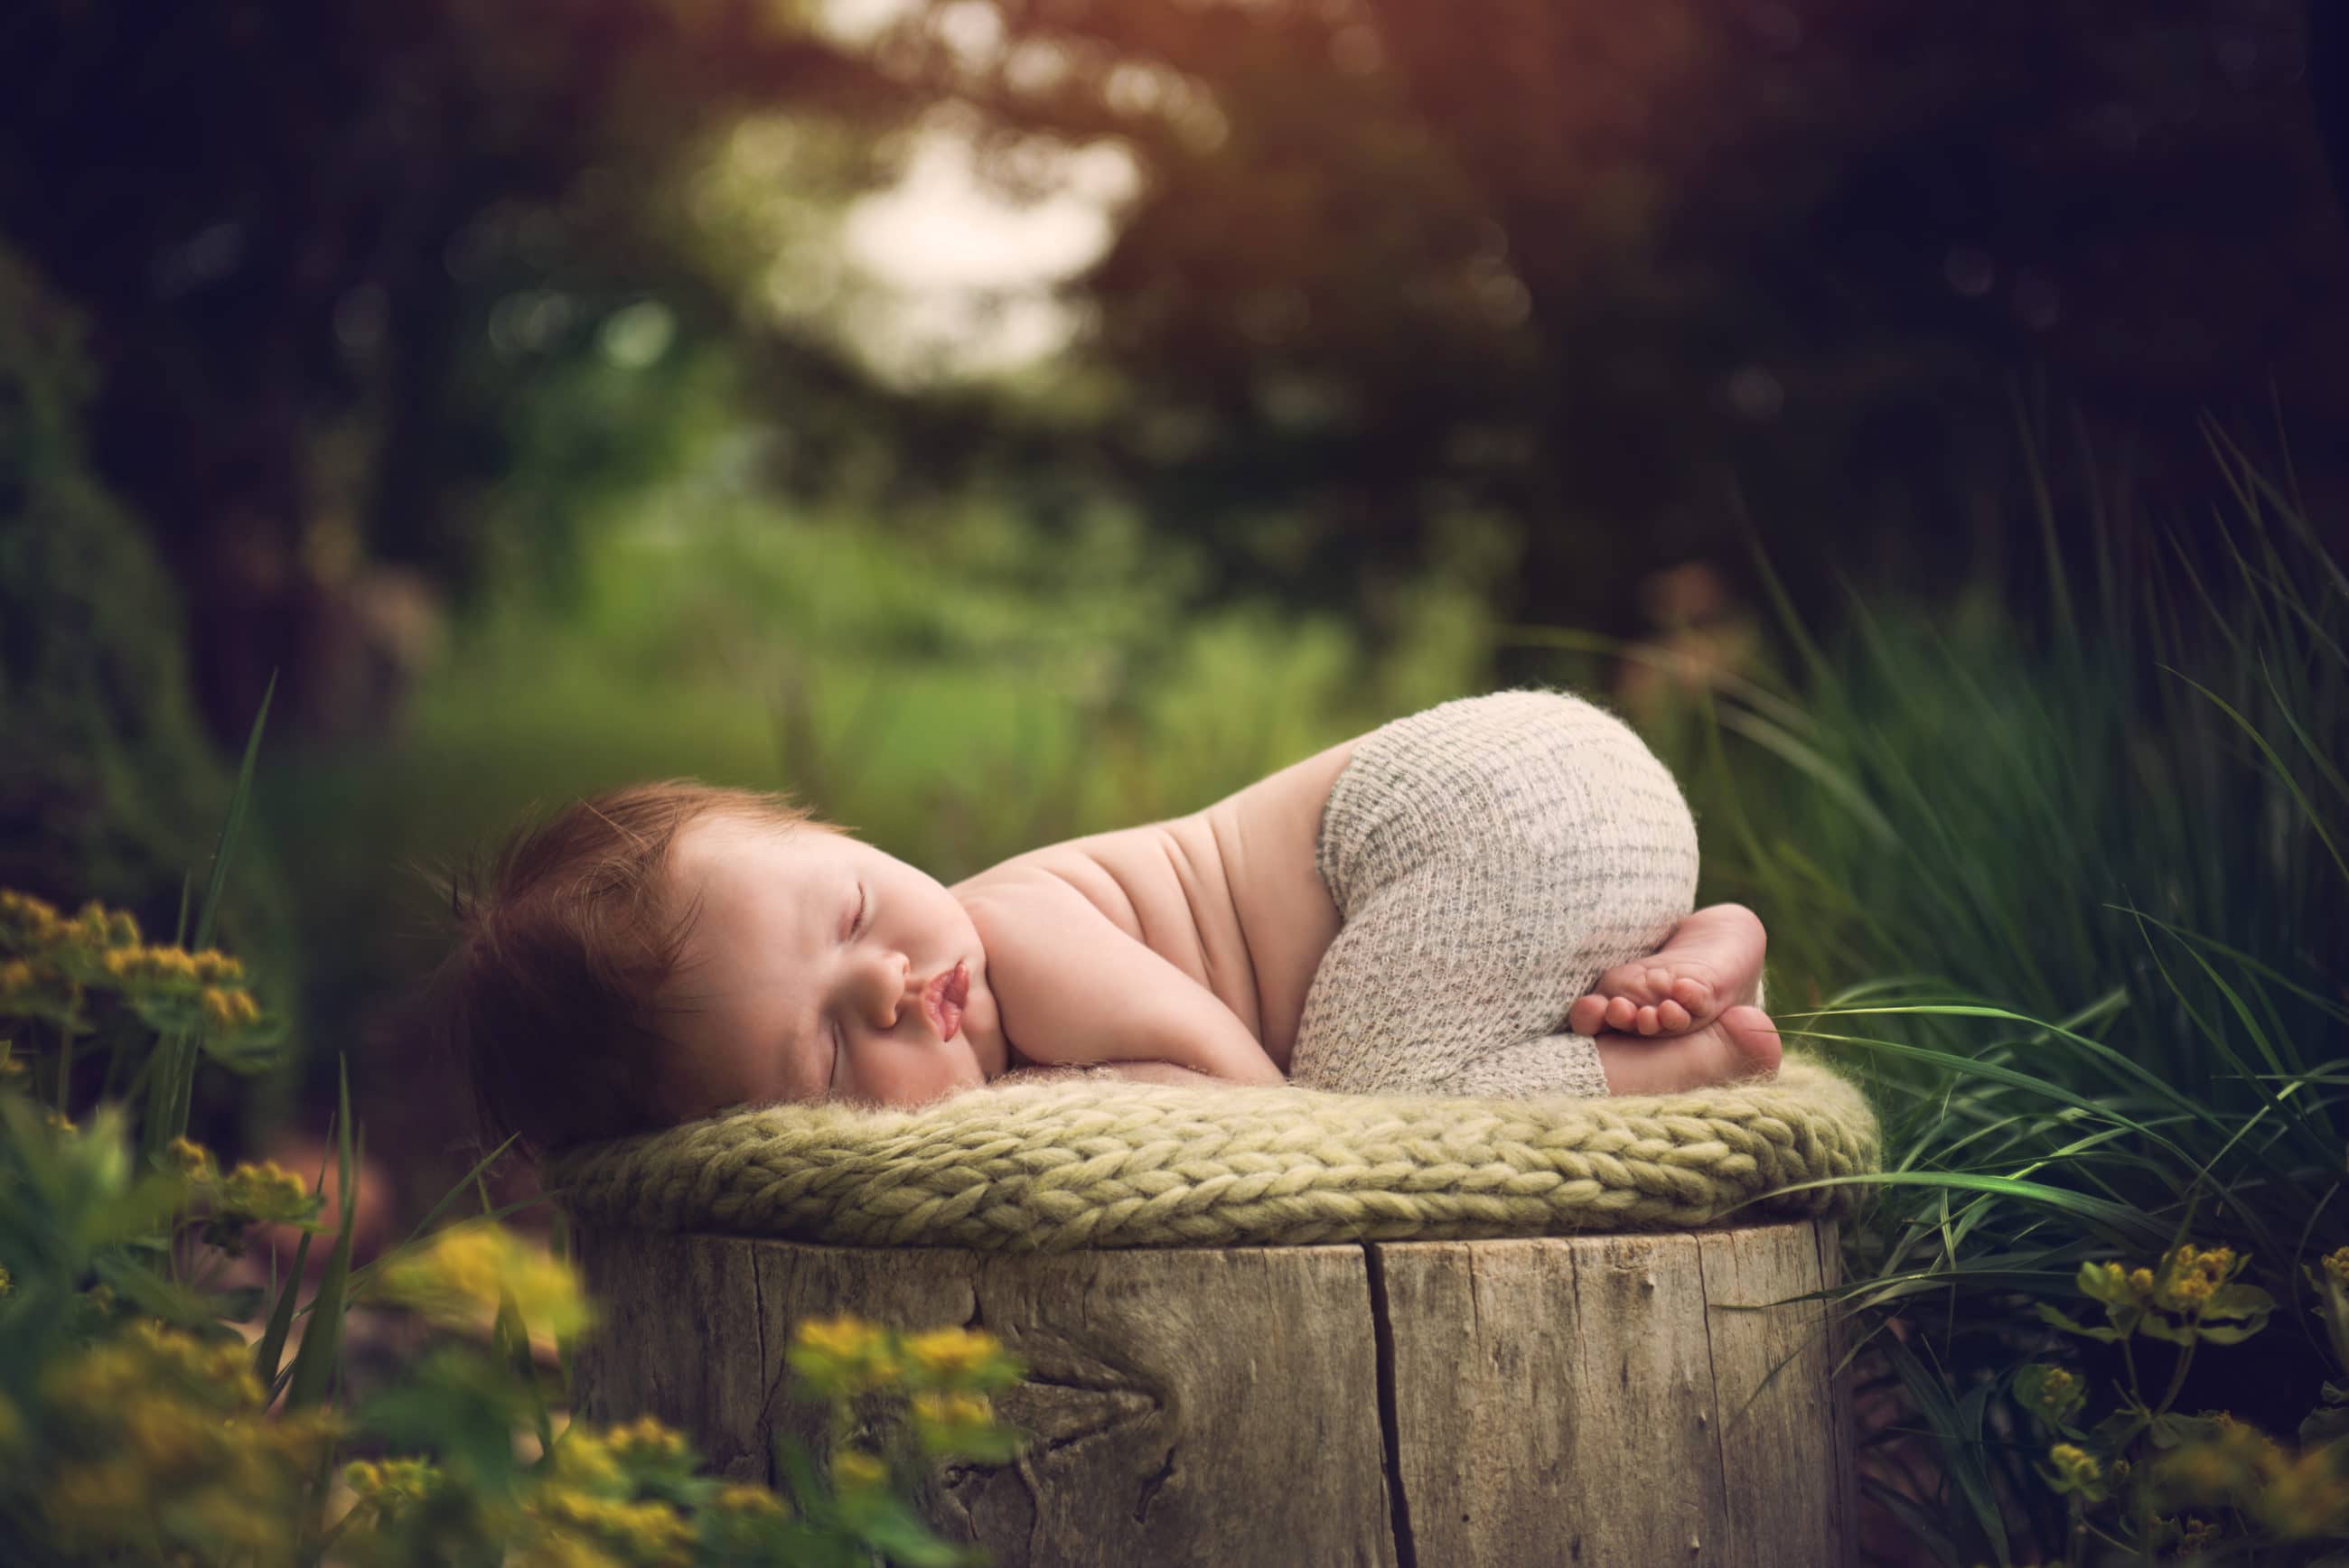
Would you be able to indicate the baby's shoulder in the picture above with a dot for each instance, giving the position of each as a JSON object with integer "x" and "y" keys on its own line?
{"x": 1115, "y": 872}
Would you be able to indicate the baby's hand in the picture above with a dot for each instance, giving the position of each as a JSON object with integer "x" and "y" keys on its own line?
{"x": 1711, "y": 962}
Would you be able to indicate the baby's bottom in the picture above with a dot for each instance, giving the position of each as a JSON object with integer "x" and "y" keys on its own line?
{"x": 1489, "y": 859}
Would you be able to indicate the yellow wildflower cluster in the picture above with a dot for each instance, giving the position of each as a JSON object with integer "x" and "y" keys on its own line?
{"x": 268, "y": 1193}
{"x": 953, "y": 1355}
{"x": 49, "y": 961}
{"x": 459, "y": 1277}
{"x": 2075, "y": 1464}
{"x": 2294, "y": 1494}
{"x": 387, "y": 1482}
{"x": 951, "y": 1423}
{"x": 156, "y": 1441}
{"x": 841, "y": 1357}
{"x": 753, "y": 1502}
{"x": 570, "y": 1520}
{"x": 845, "y": 1357}
{"x": 2336, "y": 1265}
{"x": 2189, "y": 1277}
{"x": 29, "y": 989}
{"x": 645, "y": 1441}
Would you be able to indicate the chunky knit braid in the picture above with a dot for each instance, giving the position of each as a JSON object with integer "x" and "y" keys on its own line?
{"x": 1061, "y": 1165}
{"x": 1489, "y": 859}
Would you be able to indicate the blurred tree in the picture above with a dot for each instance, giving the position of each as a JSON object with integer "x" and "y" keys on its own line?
{"x": 1595, "y": 269}
{"x": 327, "y": 250}
{"x": 108, "y": 788}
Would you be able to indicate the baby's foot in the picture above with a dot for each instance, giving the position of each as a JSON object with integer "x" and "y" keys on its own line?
{"x": 1739, "y": 1044}
{"x": 1711, "y": 961}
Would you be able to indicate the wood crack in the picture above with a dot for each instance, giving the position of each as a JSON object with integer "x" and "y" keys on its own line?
{"x": 1390, "y": 1428}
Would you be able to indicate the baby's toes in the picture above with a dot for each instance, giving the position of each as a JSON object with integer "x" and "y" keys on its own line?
{"x": 1696, "y": 995}
{"x": 1646, "y": 1021}
{"x": 1587, "y": 1016}
{"x": 1671, "y": 1016}
{"x": 1643, "y": 981}
{"x": 1621, "y": 1012}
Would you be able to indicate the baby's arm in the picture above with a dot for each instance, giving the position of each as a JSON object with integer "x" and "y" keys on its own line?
{"x": 1073, "y": 988}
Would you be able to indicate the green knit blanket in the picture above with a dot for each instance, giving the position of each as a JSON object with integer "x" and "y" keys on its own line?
{"x": 1089, "y": 1162}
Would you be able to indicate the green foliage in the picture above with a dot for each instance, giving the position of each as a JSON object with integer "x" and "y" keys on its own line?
{"x": 136, "y": 1425}
{"x": 108, "y": 788}
{"x": 2148, "y": 1482}
{"x": 2076, "y": 906}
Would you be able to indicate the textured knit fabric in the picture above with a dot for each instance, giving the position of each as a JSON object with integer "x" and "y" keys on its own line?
{"x": 1083, "y": 1162}
{"x": 1489, "y": 859}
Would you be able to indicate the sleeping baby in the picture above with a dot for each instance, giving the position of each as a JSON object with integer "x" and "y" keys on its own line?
{"x": 1492, "y": 897}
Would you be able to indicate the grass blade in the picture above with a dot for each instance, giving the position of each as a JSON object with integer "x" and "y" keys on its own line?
{"x": 320, "y": 1358}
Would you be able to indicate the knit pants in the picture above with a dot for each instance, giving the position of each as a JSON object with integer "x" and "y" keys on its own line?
{"x": 1489, "y": 859}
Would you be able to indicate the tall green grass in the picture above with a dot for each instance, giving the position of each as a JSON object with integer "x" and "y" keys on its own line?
{"x": 2074, "y": 906}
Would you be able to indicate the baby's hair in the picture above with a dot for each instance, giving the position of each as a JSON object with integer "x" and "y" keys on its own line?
{"x": 564, "y": 939}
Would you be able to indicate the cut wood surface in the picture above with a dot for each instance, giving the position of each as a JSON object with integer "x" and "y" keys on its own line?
{"x": 1598, "y": 1399}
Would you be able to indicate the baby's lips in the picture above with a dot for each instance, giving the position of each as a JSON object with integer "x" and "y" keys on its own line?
{"x": 943, "y": 998}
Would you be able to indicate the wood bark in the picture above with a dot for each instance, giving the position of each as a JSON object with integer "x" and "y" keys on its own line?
{"x": 1629, "y": 1399}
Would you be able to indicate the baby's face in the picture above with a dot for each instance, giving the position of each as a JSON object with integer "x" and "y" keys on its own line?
{"x": 819, "y": 968}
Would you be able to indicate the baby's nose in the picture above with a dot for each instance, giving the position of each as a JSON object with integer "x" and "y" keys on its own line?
{"x": 899, "y": 987}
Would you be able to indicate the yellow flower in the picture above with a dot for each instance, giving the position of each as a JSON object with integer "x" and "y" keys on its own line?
{"x": 754, "y": 1500}
{"x": 584, "y": 1459}
{"x": 214, "y": 968}
{"x": 647, "y": 1438}
{"x": 843, "y": 1356}
{"x": 845, "y": 1338}
{"x": 2075, "y": 1463}
{"x": 953, "y": 1353}
{"x": 853, "y": 1469}
{"x": 189, "y": 1157}
{"x": 954, "y": 1409}
{"x": 8, "y": 1284}
{"x": 59, "y": 1122}
{"x": 268, "y": 1193}
{"x": 391, "y": 1479}
{"x": 459, "y": 1274}
{"x": 2306, "y": 1496}
{"x": 23, "y": 910}
{"x": 2336, "y": 1265}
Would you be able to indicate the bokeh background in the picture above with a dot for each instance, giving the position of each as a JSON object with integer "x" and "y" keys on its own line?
{"x": 999, "y": 419}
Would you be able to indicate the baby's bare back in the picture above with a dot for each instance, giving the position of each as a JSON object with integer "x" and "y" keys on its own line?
{"x": 1227, "y": 895}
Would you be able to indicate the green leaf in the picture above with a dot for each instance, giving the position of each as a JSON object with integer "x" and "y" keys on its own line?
{"x": 2051, "y": 1314}
{"x": 2238, "y": 1301}
{"x": 2324, "y": 1427}
{"x": 316, "y": 1363}
{"x": 271, "y": 1347}
{"x": 2231, "y": 1334}
{"x": 899, "y": 1534}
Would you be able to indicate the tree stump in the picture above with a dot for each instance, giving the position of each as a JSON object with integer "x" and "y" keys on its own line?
{"x": 1594, "y": 1401}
